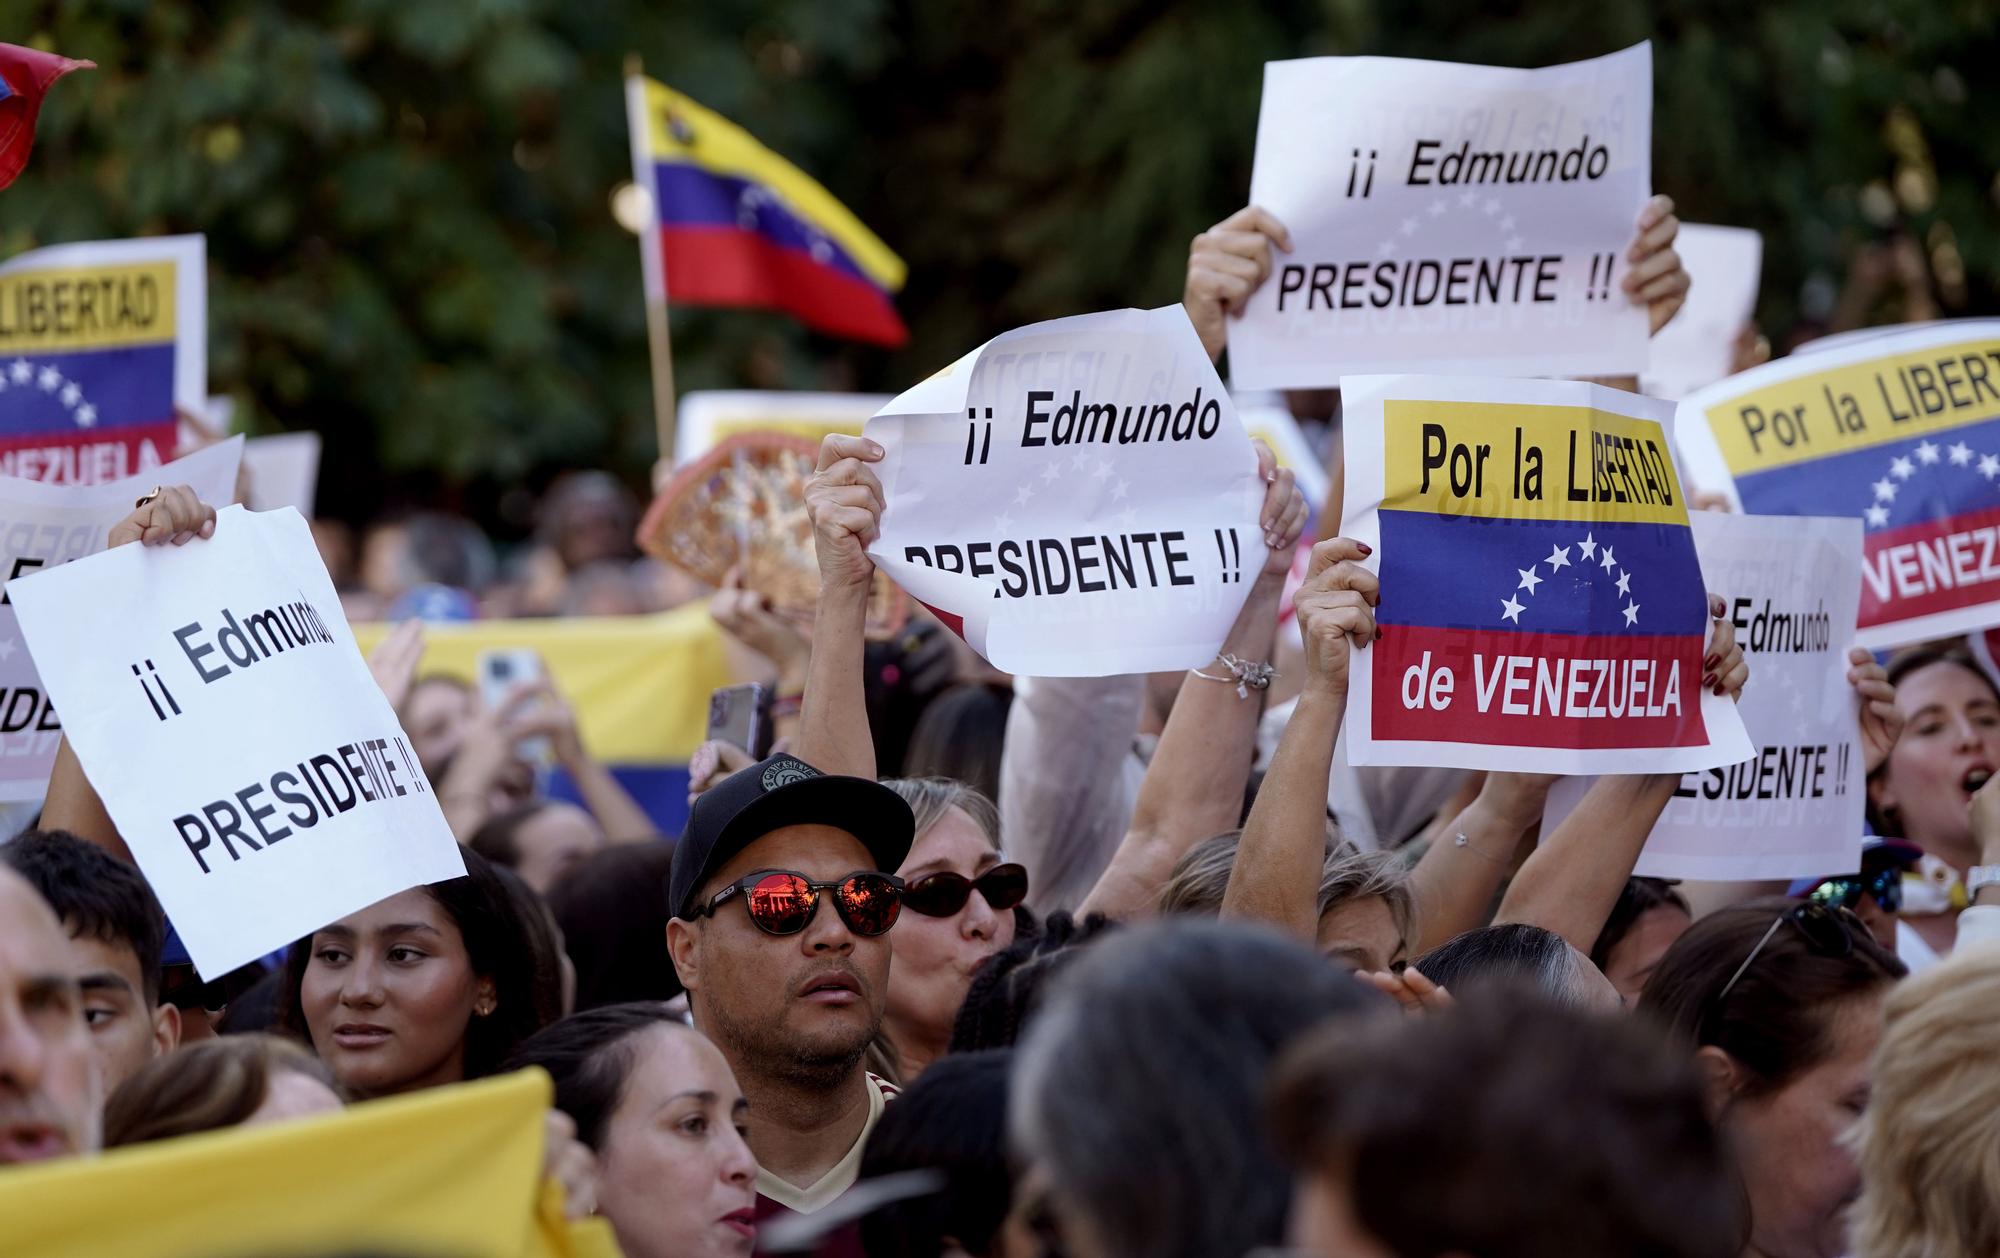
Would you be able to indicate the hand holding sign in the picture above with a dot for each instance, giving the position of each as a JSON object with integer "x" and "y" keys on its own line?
{"x": 844, "y": 501}
{"x": 1226, "y": 264}
{"x": 1335, "y": 609}
{"x": 1656, "y": 276}
{"x": 169, "y": 514}
{"x": 1881, "y": 720}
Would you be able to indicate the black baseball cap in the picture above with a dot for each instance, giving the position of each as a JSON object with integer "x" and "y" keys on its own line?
{"x": 775, "y": 793}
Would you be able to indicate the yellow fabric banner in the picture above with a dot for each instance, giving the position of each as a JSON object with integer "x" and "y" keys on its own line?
{"x": 639, "y": 684}
{"x": 451, "y": 1170}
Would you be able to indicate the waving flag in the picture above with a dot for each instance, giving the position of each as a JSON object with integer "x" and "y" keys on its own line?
{"x": 734, "y": 224}
{"x": 25, "y": 77}
{"x": 1900, "y": 429}
{"x": 1542, "y": 605}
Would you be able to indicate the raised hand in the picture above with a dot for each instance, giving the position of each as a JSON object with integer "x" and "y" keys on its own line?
{"x": 171, "y": 513}
{"x": 1336, "y": 611}
{"x": 1656, "y": 276}
{"x": 844, "y": 501}
{"x": 1226, "y": 263}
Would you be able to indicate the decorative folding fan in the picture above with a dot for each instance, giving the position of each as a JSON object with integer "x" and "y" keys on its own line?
{"x": 743, "y": 505}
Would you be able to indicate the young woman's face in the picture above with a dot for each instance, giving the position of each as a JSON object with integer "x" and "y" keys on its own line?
{"x": 1950, "y": 744}
{"x": 1800, "y": 1177}
{"x": 674, "y": 1174}
{"x": 388, "y": 994}
{"x": 935, "y": 956}
{"x": 551, "y": 843}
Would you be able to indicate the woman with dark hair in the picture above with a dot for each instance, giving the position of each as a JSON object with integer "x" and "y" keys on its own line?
{"x": 1649, "y": 916}
{"x": 1922, "y": 791}
{"x": 959, "y": 736}
{"x": 961, "y": 900}
{"x": 1780, "y": 1003}
{"x": 1519, "y": 953}
{"x": 540, "y": 840}
{"x": 1149, "y": 1059}
{"x": 612, "y": 909}
{"x": 658, "y": 1105}
{"x": 432, "y": 985}
{"x": 953, "y": 1122}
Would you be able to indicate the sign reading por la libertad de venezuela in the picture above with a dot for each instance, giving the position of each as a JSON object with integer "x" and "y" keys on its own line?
{"x": 1542, "y": 604}
{"x": 1900, "y": 429}
{"x": 1448, "y": 218}
{"x": 99, "y": 343}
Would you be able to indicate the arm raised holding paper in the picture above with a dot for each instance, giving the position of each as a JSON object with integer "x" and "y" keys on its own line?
{"x": 1194, "y": 787}
{"x": 844, "y": 501}
{"x": 170, "y": 515}
{"x": 1571, "y": 882}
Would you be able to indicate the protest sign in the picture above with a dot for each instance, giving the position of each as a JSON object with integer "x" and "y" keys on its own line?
{"x": 1901, "y": 430}
{"x": 282, "y": 471}
{"x": 1448, "y": 218}
{"x": 99, "y": 342}
{"x": 1794, "y": 808}
{"x": 442, "y": 1171}
{"x": 1698, "y": 347}
{"x": 216, "y": 698}
{"x": 707, "y": 418}
{"x": 1542, "y": 606}
{"x": 41, "y": 526}
{"x": 1075, "y": 498}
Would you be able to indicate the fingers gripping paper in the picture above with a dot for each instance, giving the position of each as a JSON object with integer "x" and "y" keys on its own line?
{"x": 1542, "y": 606}
{"x": 1448, "y": 218}
{"x": 1076, "y": 498}
{"x": 217, "y": 701}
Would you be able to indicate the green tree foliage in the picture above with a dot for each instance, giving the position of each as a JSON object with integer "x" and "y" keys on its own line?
{"x": 407, "y": 201}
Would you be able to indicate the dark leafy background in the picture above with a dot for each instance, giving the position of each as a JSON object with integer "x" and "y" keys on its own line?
{"x": 407, "y": 202}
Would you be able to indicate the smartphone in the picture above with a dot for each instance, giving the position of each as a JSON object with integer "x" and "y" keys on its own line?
{"x": 741, "y": 716}
{"x": 500, "y": 672}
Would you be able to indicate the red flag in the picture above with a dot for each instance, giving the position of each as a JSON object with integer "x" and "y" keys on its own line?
{"x": 25, "y": 76}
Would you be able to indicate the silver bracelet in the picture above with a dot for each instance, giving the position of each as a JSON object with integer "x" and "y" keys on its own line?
{"x": 1246, "y": 675}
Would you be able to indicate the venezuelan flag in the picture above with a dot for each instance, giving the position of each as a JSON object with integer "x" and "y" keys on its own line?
{"x": 737, "y": 225}
{"x": 1570, "y": 617}
{"x": 639, "y": 686}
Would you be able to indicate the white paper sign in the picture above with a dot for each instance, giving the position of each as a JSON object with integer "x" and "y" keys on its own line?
{"x": 1075, "y": 498}
{"x": 1448, "y": 218}
{"x": 1794, "y": 810}
{"x": 216, "y": 698}
{"x": 1273, "y": 425}
{"x": 1699, "y": 346}
{"x": 42, "y": 526}
{"x": 284, "y": 471}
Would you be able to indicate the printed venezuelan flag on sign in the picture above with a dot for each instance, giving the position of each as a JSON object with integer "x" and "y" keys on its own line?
{"x": 737, "y": 225}
{"x": 1900, "y": 427}
{"x": 1542, "y": 606}
{"x": 99, "y": 343}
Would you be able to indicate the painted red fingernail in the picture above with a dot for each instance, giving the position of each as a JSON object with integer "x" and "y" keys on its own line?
{"x": 1708, "y": 679}
{"x": 1364, "y": 548}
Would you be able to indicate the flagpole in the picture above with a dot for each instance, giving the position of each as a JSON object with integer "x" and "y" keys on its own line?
{"x": 659, "y": 339}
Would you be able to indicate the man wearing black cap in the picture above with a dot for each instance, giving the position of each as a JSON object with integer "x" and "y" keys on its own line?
{"x": 782, "y": 896}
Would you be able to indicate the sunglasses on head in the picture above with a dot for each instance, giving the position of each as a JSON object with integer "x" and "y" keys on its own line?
{"x": 783, "y": 902}
{"x": 1885, "y": 885}
{"x": 943, "y": 894}
{"x": 1828, "y": 931}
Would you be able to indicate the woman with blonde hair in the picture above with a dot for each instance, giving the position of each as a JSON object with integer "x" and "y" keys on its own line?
{"x": 235, "y": 1081}
{"x": 1929, "y": 1145}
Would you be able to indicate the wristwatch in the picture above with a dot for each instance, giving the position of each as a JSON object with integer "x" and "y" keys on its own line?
{"x": 1980, "y": 876}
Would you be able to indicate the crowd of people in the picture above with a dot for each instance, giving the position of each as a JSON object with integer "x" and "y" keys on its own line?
{"x": 997, "y": 967}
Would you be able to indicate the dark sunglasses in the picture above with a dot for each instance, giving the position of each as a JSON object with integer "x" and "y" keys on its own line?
{"x": 781, "y": 902}
{"x": 943, "y": 894}
{"x": 1845, "y": 893}
{"x": 1827, "y": 931}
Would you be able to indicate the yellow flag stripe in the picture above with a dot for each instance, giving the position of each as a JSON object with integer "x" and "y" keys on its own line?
{"x": 1522, "y": 462}
{"x": 706, "y": 139}
{"x": 87, "y": 307}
